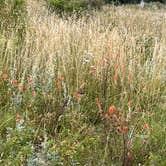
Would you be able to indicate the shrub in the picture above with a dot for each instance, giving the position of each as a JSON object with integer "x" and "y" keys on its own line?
{"x": 71, "y": 6}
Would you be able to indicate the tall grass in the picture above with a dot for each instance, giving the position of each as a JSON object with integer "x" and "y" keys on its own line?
{"x": 116, "y": 56}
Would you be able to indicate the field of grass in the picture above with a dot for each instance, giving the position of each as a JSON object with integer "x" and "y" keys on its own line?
{"x": 83, "y": 91}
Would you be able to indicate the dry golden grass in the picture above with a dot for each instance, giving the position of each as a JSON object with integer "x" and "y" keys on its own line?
{"x": 137, "y": 36}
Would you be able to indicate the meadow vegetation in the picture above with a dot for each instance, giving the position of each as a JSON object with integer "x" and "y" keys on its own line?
{"x": 86, "y": 90}
{"x": 77, "y": 6}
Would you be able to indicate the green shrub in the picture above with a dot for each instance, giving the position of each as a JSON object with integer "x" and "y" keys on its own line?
{"x": 71, "y": 6}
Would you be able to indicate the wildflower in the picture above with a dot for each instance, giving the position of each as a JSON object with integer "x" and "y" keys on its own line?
{"x": 14, "y": 82}
{"x": 145, "y": 126}
{"x": 128, "y": 144}
{"x": 77, "y": 96}
{"x": 115, "y": 78}
{"x": 18, "y": 118}
{"x": 97, "y": 101}
{"x": 20, "y": 87}
{"x": 98, "y": 104}
{"x": 116, "y": 67}
{"x": 4, "y": 76}
{"x": 59, "y": 78}
{"x": 68, "y": 153}
{"x": 112, "y": 109}
{"x": 128, "y": 119}
{"x": 129, "y": 155}
{"x": 106, "y": 116}
{"x": 101, "y": 62}
{"x": 59, "y": 82}
{"x": 30, "y": 80}
{"x": 123, "y": 129}
{"x": 64, "y": 142}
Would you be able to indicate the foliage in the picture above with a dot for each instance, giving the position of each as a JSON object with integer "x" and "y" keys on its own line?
{"x": 131, "y": 1}
{"x": 70, "y": 6}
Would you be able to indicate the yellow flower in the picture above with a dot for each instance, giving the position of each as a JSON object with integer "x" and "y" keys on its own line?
{"x": 91, "y": 139}
{"x": 68, "y": 153}
{"x": 63, "y": 142}
{"x": 53, "y": 148}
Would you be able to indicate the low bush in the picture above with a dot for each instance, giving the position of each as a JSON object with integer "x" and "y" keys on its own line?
{"x": 76, "y": 6}
{"x": 71, "y": 6}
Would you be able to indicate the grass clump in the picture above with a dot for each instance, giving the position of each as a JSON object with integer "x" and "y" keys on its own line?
{"x": 11, "y": 12}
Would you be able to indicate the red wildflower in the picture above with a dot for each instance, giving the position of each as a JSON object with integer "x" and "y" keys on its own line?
{"x": 4, "y": 76}
{"x": 59, "y": 82}
{"x": 30, "y": 80}
{"x": 106, "y": 116}
{"x": 116, "y": 67}
{"x": 123, "y": 129}
{"x": 115, "y": 78}
{"x": 97, "y": 101}
{"x": 18, "y": 118}
{"x": 98, "y": 104}
{"x": 145, "y": 126}
{"x": 77, "y": 96}
{"x": 128, "y": 144}
{"x": 14, "y": 82}
{"x": 101, "y": 62}
{"x": 112, "y": 109}
{"x": 129, "y": 155}
{"x": 59, "y": 78}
